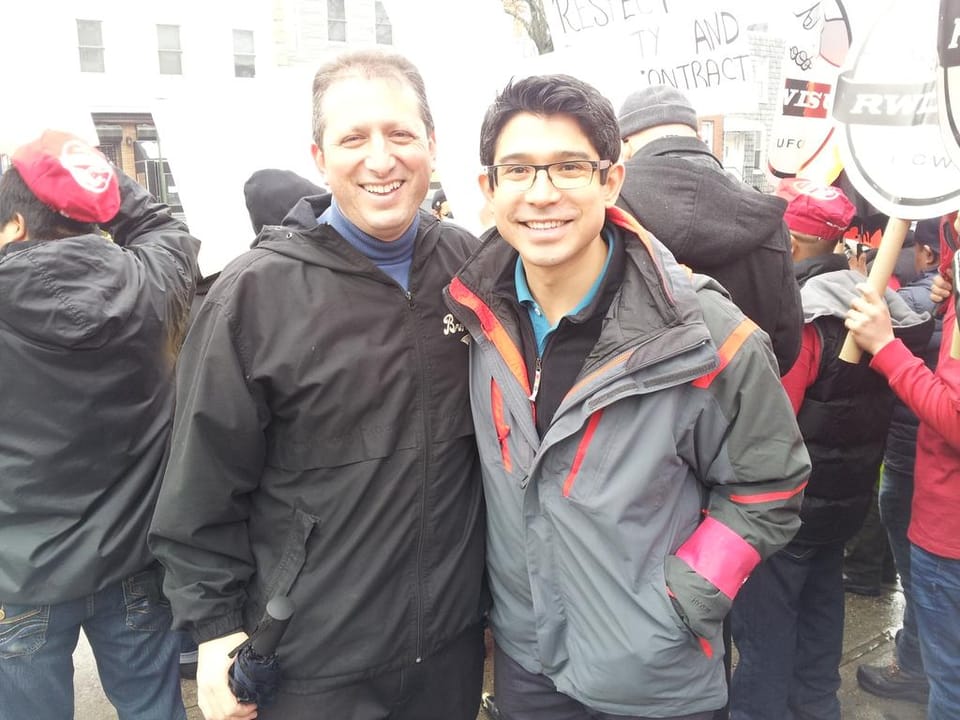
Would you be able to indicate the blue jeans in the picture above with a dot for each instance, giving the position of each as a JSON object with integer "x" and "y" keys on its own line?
{"x": 936, "y": 592}
{"x": 787, "y": 623}
{"x": 128, "y": 626}
{"x": 896, "y": 495}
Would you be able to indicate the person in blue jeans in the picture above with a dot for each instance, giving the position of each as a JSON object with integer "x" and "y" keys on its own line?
{"x": 934, "y": 396}
{"x": 89, "y": 333}
{"x": 903, "y": 679}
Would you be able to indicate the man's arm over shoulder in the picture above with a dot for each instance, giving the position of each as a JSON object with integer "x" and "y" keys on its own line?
{"x": 754, "y": 465}
{"x": 199, "y": 530}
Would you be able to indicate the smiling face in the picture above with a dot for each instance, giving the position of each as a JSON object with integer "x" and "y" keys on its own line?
{"x": 376, "y": 153}
{"x": 554, "y": 230}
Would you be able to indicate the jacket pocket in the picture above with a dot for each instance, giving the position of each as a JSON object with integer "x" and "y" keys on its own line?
{"x": 292, "y": 556}
{"x": 500, "y": 424}
{"x": 582, "y": 448}
{"x": 23, "y": 629}
{"x": 144, "y": 604}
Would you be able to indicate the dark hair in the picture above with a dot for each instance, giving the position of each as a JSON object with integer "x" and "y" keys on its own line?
{"x": 368, "y": 64}
{"x": 42, "y": 222}
{"x": 439, "y": 198}
{"x": 553, "y": 95}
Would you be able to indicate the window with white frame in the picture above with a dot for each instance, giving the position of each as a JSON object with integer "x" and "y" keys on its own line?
{"x": 336, "y": 21}
{"x": 90, "y": 43}
{"x": 168, "y": 49}
{"x": 244, "y": 57}
{"x": 384, "y": 28}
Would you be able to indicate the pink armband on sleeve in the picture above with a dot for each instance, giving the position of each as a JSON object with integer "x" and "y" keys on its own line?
{"x": 717, "y": 553}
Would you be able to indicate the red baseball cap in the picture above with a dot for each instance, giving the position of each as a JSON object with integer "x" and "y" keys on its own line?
{"x": 823, "y": 211}
{"x": 69, "y": 176}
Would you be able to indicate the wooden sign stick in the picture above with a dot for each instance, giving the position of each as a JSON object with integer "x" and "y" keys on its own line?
{"x": 880, "y": 272}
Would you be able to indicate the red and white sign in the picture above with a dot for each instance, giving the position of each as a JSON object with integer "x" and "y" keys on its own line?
{"x": 818, "y": 38}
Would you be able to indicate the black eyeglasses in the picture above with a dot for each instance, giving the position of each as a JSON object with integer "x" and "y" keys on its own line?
{"x": 565, "y": 175}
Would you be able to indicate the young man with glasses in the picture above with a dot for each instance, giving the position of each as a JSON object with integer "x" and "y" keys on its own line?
{"x": 632, "y": 481}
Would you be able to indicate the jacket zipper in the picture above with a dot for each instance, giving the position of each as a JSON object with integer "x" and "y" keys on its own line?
{"x": 536, "y": 379}
{"x": 423, "y": 483}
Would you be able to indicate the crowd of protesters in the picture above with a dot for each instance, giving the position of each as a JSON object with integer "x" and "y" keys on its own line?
{"x": 614, "y": 431}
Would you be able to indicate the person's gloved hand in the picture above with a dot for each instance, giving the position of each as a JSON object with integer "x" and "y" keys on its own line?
{"x": 697, "y": 601}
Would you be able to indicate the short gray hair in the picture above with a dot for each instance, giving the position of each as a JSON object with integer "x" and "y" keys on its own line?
{"x": 369, "y": 64}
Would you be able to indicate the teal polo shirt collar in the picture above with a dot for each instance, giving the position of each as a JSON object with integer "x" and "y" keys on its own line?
{"x": 541, "y": 326}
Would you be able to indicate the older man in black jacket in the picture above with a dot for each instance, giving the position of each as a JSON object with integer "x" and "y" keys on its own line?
{"x": 710, "y": 221}
{"x": 323, "y": 446}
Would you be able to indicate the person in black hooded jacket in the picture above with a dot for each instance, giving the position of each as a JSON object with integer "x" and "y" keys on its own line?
{"x": 90, "y": 327}
{"x": 269, "y": 194}
{"x": 710, "y": 221}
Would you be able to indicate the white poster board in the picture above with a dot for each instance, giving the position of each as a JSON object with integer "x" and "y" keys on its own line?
{"x": 887, "y": 115}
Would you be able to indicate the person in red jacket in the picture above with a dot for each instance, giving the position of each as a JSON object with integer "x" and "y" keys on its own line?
{"x": 934, "y": 396}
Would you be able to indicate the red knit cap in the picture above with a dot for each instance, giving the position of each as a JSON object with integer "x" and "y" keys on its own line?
{"x": 819, "y": 210}
{"x": 69, "y": 176}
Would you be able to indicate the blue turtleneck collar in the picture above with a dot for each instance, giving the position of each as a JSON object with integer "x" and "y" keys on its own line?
{"x": 393, "y": 257}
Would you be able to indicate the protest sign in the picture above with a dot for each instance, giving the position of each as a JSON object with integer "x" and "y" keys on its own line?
{"x": 886, "y": 110}
{"x": 948, "y": 76}
{"x": 817, "y": 39}
{"x": 696, "y": 46}
{"x": 890, "y": 140}
{"x": 214, "y": 203}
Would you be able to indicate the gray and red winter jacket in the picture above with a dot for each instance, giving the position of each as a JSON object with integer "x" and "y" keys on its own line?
{"x": 673, "y": 466}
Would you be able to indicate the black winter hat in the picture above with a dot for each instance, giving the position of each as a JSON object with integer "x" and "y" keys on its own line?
{"x": 653, "y": 106}
{"x": 270, "y": 194}
{"x": 928, "y": 233}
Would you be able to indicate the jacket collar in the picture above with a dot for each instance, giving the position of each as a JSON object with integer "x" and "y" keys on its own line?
{"x": 670, "y": 144}
{"x": 303, "y": 238}
{"x": 655, "y": 301}
{"x": 803, "y": 270}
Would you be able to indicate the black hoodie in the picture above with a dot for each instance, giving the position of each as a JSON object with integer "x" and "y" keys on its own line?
{"x": 89, "y": 331}
{"x": 720, "y": 227}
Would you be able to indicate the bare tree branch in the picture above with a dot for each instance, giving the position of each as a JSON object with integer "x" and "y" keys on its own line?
{"x": 530, "y": 15}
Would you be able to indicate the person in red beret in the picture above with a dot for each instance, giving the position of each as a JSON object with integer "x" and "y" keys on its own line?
{"x": 787, "y": 620}
{"x": 96, "y": 279}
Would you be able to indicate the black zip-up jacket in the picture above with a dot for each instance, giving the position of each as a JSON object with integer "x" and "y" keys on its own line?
{"x": 323, "y": 447}
{"x": 846, "y": 412}
{"x": 720, "y": 227}
{"x": 89, "y": 331}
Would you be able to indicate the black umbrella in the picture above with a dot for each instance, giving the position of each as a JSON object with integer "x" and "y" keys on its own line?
{"x": 255, "y": 674}
{"x": 489, "y": 706}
